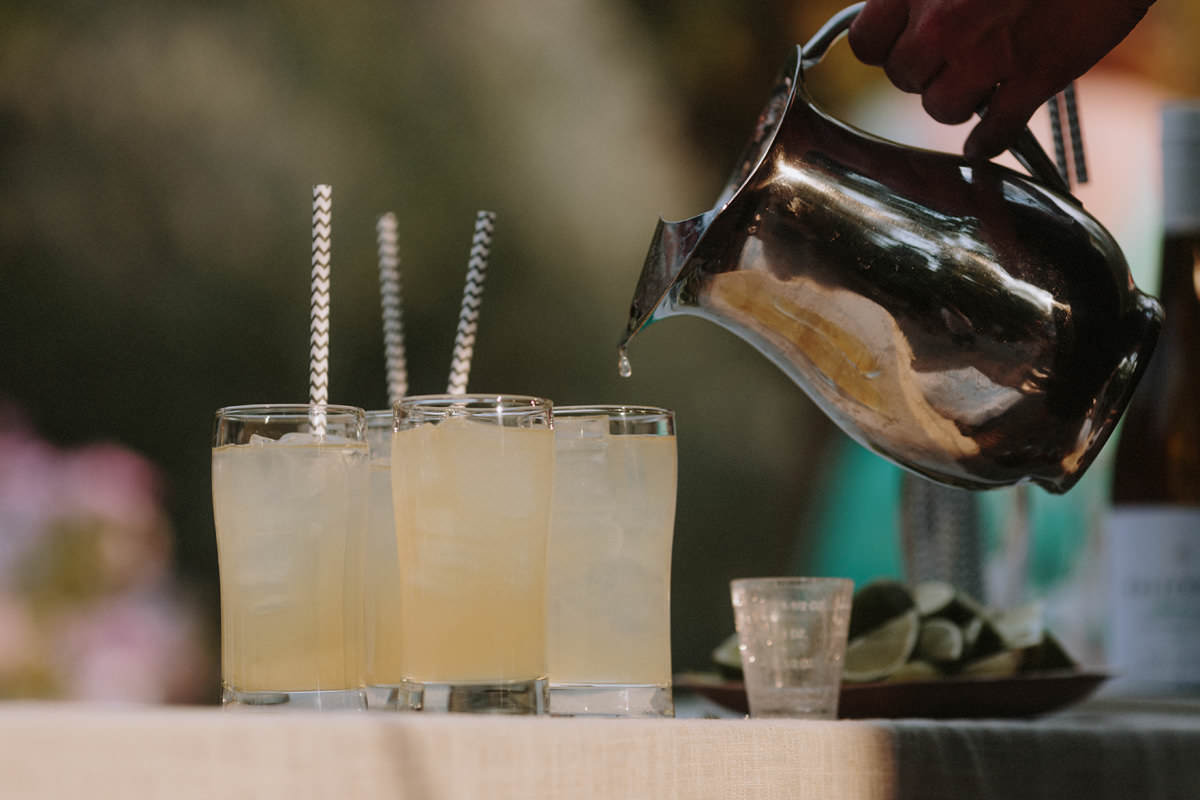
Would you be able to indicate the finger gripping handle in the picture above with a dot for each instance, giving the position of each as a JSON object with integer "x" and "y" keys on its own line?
{"x": 1026, "y": 148}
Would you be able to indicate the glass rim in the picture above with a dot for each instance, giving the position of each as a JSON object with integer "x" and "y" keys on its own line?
{"x": 263, "y": 410}
{"x": 789, "y": 581}
{"x": 475, "y": 398}
{"x": 614, "y": 409}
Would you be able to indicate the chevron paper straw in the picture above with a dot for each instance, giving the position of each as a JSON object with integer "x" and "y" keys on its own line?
{"x": 391, "y": 302}
{"x": 318, "y": 373}
{"x": 1056, "y": 136}
{"x": 468, "y": 317}
{"x": 1075, "y": 132}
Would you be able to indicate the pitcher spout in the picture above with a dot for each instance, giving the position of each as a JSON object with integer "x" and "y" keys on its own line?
{"x": 658, "y": 287}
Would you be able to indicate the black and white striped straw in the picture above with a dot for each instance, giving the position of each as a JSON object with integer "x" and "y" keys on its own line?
{"x": 391, "y": 302}
{"x": 1065, "y": 104}
{"x": 318, "y": 375}
{"x": 468, "y": 317}
{"x": 1056, "y": 137}
{"x": 1076, "y": 133}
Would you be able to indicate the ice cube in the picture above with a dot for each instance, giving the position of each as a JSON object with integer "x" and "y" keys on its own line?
{"x": 298, "y": 437}
{"x": 379, "y": 442}
{"x": 592, "y": 427}
{"x": 458, "y": 425}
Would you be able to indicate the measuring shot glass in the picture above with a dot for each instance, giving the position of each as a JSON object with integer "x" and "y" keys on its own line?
{"x": 792, "y": 638}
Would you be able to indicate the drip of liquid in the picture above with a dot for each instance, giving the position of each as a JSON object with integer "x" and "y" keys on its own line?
{"x": 624, "y": 368}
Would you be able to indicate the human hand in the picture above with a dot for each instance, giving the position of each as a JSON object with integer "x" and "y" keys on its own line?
{"x": 1010, "y": 55}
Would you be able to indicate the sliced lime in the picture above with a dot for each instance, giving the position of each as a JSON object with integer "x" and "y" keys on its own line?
{"x": 940, "y": 640}
{"x": 997, "y": 665}
{"x": 878, "y": 603}
{"x": 940, "y": 599}
{"x": 1047, "y": 655}
{"x": 933, "y": 597}
{"x": 915, "y": 671}
{"x": 879, "y": 653}
{"x": 1020, "y": 627}
{"x": 728, "y": 657}
{"x": 980, "y": 639}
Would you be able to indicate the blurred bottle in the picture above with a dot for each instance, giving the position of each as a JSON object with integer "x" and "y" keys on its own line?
{"x": 1154, "y": 529}
{"x": 940, "y": 534}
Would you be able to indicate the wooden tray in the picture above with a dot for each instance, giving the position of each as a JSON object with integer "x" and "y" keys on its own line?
{"x": 1025, "y": 695}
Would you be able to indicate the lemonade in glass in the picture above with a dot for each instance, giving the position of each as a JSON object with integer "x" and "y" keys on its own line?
{"x": 609, "y": 632}
{"x": 289, "y": 506}
{"x": 383, "y": 670}
{"x": 472, "y": 479}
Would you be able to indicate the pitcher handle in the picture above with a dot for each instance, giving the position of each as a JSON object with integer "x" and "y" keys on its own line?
{"x": 1026, "y": 149}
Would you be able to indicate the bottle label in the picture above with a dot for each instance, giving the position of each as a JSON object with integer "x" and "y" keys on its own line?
{"x": 1154, "y": 593}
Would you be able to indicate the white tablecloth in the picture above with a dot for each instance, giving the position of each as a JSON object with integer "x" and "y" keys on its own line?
{"x": 71, "y": 751}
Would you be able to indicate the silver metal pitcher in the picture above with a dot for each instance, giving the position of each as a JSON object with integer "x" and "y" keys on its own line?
{"x": 971, "y": 323}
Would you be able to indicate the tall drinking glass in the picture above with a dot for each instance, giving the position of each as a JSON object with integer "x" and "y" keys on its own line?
{"x": 383, "y": 669}
{"x": 289, "y": 489}
{"x": 609, "y": 608}
{"x": 472, "y": 477}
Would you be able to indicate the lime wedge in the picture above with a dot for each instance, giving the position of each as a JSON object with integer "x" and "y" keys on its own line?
{"x": 727, "y": 656}
{"x": 879, "y": 653}
{"x": 915, "y": 671}
{"x": 998, "y": 665}
{"x": 933, "y": 597}
{"x": 1020, "y": 627}
{"x": 877, "y": 603}
{"x": 1047, "y": 655}
{"x": 940, "y": 640}
{"x": 940, "y": 599}
{"x": 980, "y": 638}
{"x": 971, "y": 632}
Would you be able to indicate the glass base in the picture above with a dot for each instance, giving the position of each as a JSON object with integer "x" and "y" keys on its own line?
{"x": 388, "y": 697}
{"x": 611, "y": 700}
{"x": 343, "y": 700}
{"x": 794, "y": 702}
{"x": 506, "y": 697}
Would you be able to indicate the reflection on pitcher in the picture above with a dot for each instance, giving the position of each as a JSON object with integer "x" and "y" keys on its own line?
{"x": 967, "y": 321}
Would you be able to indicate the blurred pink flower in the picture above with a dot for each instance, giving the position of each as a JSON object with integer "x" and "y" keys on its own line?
{"x": 116, "y": 490}
{"x": 28, "y": 469}
{"x": 110, "y": 483}
{"x": 19, "y": 639}
{"x": 141, "y": 647}
{"x": 88, "y": 606}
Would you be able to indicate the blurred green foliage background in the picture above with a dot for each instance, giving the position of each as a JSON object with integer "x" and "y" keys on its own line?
{"x": 156, "y": 161}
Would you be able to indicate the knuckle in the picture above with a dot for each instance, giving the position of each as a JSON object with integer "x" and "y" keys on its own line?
{"x": 865, "y": 47}
{"x": 954, "y": 15}
{"x": 899, "y": 77}
{"x": 949, "y": 110}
